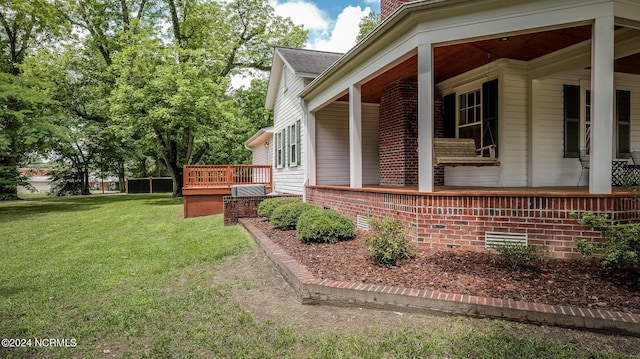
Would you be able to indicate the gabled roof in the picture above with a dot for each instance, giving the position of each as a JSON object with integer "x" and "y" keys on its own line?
{"x": 302, "y": 62}
{"x": 264, "y": 134}
{"x": 307, "y": 63}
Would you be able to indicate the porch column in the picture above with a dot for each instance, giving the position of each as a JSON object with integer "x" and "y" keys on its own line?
{"x": 602, "y": 58}
{"x": 310, "y": 150}
{"x": 425, "y": 118}
{"x": 355, "y": 137}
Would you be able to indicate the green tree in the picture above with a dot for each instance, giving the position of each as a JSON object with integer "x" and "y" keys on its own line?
{"x": 165, "y": 101}
{"x": 245, "y": 114}
{"x": 27, "y": 123}
{"x": 367, "y": 24}
{"x": 25, "y": 112}
{"x": 81, "y": 83}
{"x": 174, "y": 94}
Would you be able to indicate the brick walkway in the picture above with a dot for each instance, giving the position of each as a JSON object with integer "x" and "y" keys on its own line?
{"x": 330, "y": 292}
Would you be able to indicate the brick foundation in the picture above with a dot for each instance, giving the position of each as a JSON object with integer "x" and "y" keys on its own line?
{"x": 461, "y": 220}
{"x": 244, "y": 207}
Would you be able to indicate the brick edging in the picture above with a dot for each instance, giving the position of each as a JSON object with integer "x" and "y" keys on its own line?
{"x": 331, "y": 292}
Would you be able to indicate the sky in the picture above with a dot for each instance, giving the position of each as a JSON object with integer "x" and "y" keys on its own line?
{"x": 332, "y": 24}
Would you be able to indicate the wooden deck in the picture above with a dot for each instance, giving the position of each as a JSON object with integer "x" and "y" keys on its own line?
{"x": 204, "y": 186}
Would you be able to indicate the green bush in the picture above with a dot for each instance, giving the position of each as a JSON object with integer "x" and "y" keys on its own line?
{"x": 266, "y": 207}
{"x": 518, "y": 255}
{"x": 621, "y": 247}
{"x": 286, "y": 216}
{"x": 387, "y": 242}
{"x": 323, "y": 225}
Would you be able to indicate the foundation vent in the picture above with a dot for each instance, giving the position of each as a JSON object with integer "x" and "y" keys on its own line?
{"x": 494, "y": 239}
{"x": 248, "y": 190}
{"x": 362, "y": 222}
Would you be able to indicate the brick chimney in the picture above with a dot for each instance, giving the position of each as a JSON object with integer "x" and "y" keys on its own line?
{"x": 387, "y": 7}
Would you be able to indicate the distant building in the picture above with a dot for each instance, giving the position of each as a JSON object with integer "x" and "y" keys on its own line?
{"x": 39, "y": 178}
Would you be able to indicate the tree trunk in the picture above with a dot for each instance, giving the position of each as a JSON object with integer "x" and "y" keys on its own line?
{"x": 176, "y": 176}
{"x": 85, "y": 182}
{"x": 121, "y": 177}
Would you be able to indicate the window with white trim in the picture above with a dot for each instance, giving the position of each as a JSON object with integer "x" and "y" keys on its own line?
{"x": 470, "y": 116}
{"x": 473, "y": 113}
{"x": 278, "y": 148}
{"x": 293, "y": 144}
{"x": 577, "y": 122}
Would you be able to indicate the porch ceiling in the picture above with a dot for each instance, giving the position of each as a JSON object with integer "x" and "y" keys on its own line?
{"x": 452, "y": 60}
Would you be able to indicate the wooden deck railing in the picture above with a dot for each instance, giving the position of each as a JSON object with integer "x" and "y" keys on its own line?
{"x": 199, "y": 176}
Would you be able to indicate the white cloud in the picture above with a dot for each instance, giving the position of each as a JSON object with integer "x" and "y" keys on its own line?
{"x": 343, "y": 35}
{"x": 325, "y": 34}
{"x": 303, "y": 13}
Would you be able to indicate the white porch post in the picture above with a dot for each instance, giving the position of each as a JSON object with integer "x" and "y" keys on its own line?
{"x": 602, "y": 58}
{"x": 355, "y": 137}
{"x": 425, "y": 118}
{"x": 310, "y": 150}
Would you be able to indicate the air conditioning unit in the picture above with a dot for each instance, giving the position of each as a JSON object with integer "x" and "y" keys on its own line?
{"x": 244, "y": 190}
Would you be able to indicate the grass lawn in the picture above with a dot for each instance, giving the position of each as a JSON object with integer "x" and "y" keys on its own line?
{"x": 128, "y": 276}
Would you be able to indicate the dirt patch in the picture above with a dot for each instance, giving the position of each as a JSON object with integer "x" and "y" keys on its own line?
{"x": 257, "y": 286}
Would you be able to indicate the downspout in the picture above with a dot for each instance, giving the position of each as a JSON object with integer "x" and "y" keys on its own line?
{"x": 305, "y": 119}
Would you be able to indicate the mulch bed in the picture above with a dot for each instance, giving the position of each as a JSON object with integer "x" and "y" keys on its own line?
{"x": 579, "y": 282}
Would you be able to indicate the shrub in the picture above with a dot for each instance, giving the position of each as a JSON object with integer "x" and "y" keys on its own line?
{"x": 621, "y": 247}
{"x": 387, "y": 242}
{"x": 518, "y": 255}
{"x": 323, "y": 225}
{"x": 266, "y": 207}
{"x": 286, "y": 216}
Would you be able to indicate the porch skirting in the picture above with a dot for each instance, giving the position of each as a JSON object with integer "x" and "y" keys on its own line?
{"x": 460, "y": 218}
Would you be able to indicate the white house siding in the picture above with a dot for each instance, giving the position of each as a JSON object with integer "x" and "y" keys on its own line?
{"x": 287, "y": 111}
{"x": 512, "y": 129}
{"x": 513, "y": 102}
{"x": 332, "y": 144}
{"x": 263, "y": 155}
{"x": 550, "y": 167}
{"x": 332, "y": 136}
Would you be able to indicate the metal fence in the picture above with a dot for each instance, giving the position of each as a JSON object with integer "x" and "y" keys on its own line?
{"x": 150, "y": 185}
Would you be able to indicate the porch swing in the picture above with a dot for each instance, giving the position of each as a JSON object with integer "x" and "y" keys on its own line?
{"x": 463, "y": 152}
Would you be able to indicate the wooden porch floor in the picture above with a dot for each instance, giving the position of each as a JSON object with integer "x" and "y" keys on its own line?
{"x": 567, "y": 191}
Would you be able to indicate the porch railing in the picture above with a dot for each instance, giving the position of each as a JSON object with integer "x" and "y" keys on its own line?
{"x": 195, "y": 176}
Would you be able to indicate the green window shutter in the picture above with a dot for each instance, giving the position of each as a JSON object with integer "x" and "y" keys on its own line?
{"x": 287, "y": 132}
{"x": 490, "y": 115}
{"x": 298, "y": 142}
{"x": 449, "y": 115}
{"x": 275, "y": 149}
{"x": 623, "y": 123}
{"x": 571, "y": 121}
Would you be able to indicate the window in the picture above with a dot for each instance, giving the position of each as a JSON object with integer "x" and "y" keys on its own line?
{"x": 294, "y": 143}
{"x": 577, "y": 123}
{"x": 571, "y": 121}
{"x": 473, "y": 114}
{"x": 623, "y": 124}
{"x": 470, "y": 116}
{"x": 287, "y": 146}
{"x": 278, "y": 148}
